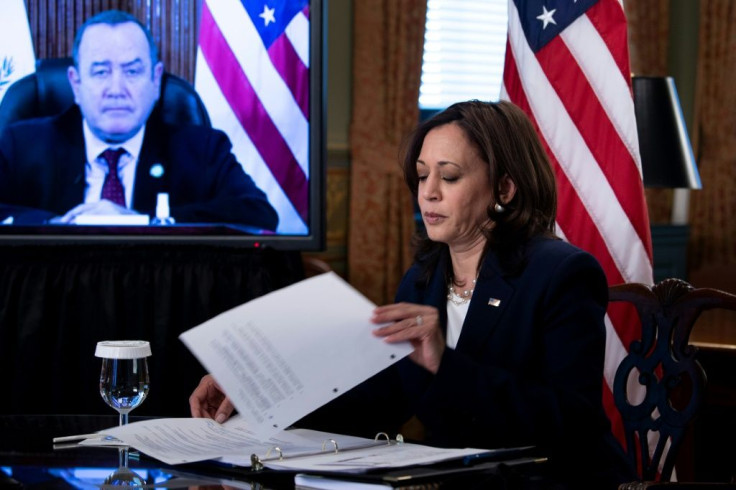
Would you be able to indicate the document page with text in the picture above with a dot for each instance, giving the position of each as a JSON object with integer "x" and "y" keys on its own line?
{"x": 285, "y": 354}
{"x": 185, "y": 440}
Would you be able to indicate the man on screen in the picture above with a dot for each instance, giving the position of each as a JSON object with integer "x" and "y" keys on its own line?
{"x": 104, "y": 156}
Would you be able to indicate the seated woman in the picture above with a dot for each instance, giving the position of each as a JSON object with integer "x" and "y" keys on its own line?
{"x": 506, "y": 320}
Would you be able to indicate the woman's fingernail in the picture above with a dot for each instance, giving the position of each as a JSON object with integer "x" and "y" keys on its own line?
{"x": 220, "y": 418}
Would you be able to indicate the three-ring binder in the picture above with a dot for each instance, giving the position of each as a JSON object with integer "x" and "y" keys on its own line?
{"x": 256, "y": 463}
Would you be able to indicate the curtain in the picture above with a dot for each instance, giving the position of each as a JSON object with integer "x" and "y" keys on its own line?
{"x": 713, "y": 244}
{"x": 57, "y": 301}
{"x": 387, "y": 56}
{"x": 713, "y": 234}
{"x": 173, "y": 23}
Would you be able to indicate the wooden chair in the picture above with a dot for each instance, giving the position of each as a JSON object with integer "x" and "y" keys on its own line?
{"x": 665, "y": 366}
{"x": 314, "y": 266}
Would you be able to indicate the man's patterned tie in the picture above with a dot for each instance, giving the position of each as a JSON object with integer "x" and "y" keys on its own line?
{"x": 112, "y": 188}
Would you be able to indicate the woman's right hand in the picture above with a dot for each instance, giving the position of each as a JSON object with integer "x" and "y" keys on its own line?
{"x": 209, "y": 401}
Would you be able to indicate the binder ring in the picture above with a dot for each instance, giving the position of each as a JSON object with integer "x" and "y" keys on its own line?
{"x": 334, "y": 444}
{"x": 277, "y": 449}
{"x": 381, "y": 435}
{"x": 255, "y": 462}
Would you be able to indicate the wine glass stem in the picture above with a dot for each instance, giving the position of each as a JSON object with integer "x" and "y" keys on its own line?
{"x": 123, "y": 457}
{"x": 124, "y": 419}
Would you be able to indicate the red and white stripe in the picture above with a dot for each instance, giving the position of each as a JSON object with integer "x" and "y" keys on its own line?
{"x": 577, "y": 90}
{"x": 259, "y": 98}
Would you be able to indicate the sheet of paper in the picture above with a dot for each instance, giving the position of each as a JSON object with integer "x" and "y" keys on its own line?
{"x": 285, "y": 354}
{"x": 318, "y": 443}
{"x": 375, "y": 457}
{"x": 185, "y": 440}
{"x": 305, "y": 481}
{"x": 112, "y": 219}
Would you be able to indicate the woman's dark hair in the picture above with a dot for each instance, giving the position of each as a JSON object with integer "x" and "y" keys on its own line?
{"x": 507, "y": 141}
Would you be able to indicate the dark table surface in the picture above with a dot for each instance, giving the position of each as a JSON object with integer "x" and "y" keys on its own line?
{"x": 29, "y": 459}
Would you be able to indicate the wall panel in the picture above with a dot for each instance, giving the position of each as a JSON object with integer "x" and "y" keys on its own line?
{"x": 174, "y": 24}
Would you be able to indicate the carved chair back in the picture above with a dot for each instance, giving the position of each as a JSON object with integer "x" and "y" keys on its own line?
{"x": 662, "y": 367}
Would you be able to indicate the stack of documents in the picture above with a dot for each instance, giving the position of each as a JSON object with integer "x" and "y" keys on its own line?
{"x": 278, "y": 358}
{"x": 186, "y": 440}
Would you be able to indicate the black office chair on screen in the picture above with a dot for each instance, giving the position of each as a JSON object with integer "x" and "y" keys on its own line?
{"x": 665, "y": 365}
{"x": 47, "y": 92}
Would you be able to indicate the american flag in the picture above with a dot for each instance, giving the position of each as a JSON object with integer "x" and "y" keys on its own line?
{"x": 567, "y": 66}
{"x": 252, "y": 72}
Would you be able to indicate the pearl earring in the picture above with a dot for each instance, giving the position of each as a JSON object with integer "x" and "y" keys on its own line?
{"x": 499, "y": 209}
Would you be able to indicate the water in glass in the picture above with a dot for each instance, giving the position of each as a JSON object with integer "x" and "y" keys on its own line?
{"x": 124, "y": 379}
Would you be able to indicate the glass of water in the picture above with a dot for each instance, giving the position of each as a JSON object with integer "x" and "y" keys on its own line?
{"x": 124, "y": 375}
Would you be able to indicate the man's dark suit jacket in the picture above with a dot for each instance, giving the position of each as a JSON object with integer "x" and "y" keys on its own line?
{"x": 42, "y": 175}
{"x": 527, "y": 369}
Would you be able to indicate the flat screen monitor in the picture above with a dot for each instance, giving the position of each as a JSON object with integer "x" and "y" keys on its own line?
{"x": 271, "y": 106}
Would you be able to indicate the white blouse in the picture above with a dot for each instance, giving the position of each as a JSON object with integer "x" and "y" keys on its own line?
{"x": 455, "y": 319}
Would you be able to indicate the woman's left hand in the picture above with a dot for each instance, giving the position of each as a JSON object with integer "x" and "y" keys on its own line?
{"x": 419, "y": 324}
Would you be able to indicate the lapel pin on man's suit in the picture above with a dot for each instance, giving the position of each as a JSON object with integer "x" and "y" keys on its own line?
{"x": 494, "y": 302}
{"x": 157, "y": 170}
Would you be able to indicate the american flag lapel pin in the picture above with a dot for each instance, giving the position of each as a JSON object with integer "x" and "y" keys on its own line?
{"x": 494, "y": 301}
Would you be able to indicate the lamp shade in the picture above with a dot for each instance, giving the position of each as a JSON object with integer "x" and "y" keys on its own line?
{"x": 667, "y": 158}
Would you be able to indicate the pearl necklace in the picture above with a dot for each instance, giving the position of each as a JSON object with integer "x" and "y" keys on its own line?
{"x": 459, "y": 299}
